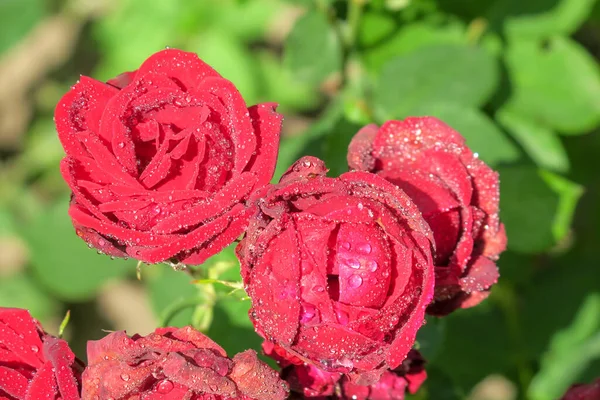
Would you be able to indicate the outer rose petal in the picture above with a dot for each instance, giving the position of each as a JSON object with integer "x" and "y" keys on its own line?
{"x": 457, "y": 194}
{"x": 583, "y": 392}
{"x": 33, "y": 364}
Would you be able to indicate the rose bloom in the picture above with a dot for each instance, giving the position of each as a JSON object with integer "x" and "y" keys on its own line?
{"x": 457, "y": 193}
{"x": 161, "y": 160}
{"x": 175, "y": 364}
{"x": 33, "y": 364}
{"x": 312, "y": 382}
{"x": 583, "y": 392}
{"x": 339, "y": 270}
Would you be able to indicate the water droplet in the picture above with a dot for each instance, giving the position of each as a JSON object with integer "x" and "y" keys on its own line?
{"x": 372, "y": 265}
{"x": 308, "y": 313}
{"x": 319, "y": 288}
{"x": 360, "y": 206}
{"x": 364, "y": 248}
{"x": 164, "y": 386}
{"x": 355, "y": 281}
{"x": 306, "y": 266}
{"x": 35, "y": 349}
{"x": 346, "y": 245}
{"x": 385, "y": 274}
{"x": 125, "y": 377}
{"x": 354, "y": 264}
{"x": 342, "y": 317}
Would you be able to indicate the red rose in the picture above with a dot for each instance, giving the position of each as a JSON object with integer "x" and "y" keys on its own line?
{"x": 457, "y": 194}
{"x": 161, "y": 160}
{"x": 33, "y": 364}
{"x": 583, "y": 392}
{"x": 175, "y": 364}
{"x": 339, "y": 270}
{"x": 313, "y": 382}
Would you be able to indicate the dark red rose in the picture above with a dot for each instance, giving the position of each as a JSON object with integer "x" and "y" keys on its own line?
{"x": 583, "y": 392}
{"x": 457, "y": 193}
{"x": 339, "y": 270}
{"x": 33, "y": 364}
{"x": 161, "y": 160}
{"x": 175, "y": 364}
{"x": 311, "y": 382}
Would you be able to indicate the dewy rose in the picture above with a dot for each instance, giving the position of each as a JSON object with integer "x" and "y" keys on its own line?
{"x": 457, "y": 193}
{"x": 33, "y": 364}
{"x": 583, "y": 392}
{"x": 175, "y": 363}
{"x": 161, "y": 160}
{"x": 339, "y": 270}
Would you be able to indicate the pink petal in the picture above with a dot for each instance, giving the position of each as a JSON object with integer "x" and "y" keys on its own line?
{"x": 267, "y": 129}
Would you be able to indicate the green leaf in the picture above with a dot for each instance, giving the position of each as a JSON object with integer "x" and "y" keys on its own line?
{"x": 538, "y": 19}
{"x": 480, "y": 132}
{"x": 17, "y": 18}
{"x": 541, "y": 144}
{"x": 406, "y": 39}
{"x": 62, "y": 262}
{"x": 168, "y": 289}
{"x": 413, "y": 81}
{"x": 231, "y": 59}
{"x": 476, "y": 345}
{"x": 556, "y": 84}
{"x": 571, "y": 350}
{"x": 21, "y": 291}
{"x": 312, "y": 50}
{"x": 569, "y": 194}
{"x": 536, "y": 207}
{"x": 431, "y": 337}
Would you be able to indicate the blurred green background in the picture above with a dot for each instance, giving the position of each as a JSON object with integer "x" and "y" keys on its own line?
{"x": 519, "y": 79}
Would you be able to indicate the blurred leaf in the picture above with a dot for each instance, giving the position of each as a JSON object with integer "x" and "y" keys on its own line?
{"x": 62, "y": 262}
{"x": 536, "y": 207}
{"x": 569, "y": 194}
{"x": 541, "y": 144}
{"x": 312, "y": 49}
{"x": 230, "y": 58}
{"x": 278, "y": 85}
{"x": 439, "y": 386}
{"x": 166, "y": 288}
{"x": 375, "y": 27}
{"x": 413, "y": 81}
{"x": 404, "y": 40}
{"x": 571, "y": 350}
{"x": 476, "y": 345}
{"x": 292, "y": 148}
{"x": 431, "y": 337}
{"x": 17, "y": 18}
{"x": 557, "y": 84}
{"x": 21, "y": 291}
{"x": 540, "y": 19}
{"x": 480, "y": 132}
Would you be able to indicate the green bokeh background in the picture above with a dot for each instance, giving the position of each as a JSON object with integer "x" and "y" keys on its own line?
{"x": 519, "y": 79}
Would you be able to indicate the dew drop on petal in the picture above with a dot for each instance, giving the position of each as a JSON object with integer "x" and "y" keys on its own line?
{"x": 125, "y": 377}
{"x": 164, "y": 386}
{"x": 372, "y": 265}
{"x": 355, "y": 281}
{"x": 364, "y": 248}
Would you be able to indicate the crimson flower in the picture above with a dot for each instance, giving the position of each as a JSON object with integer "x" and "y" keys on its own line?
{"x": 33, "y": 364}
{"x": 161, "y": 160}
{"x": 457, "y": 194}
{"x": 339, "y": 270}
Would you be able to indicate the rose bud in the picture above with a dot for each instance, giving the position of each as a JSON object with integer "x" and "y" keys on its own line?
{"x": 339, "y": 270}
{"x": 175, "y": 363}
{"x": 457, "y": 194}
{"x": 583, "y": 392}
{"x": 161, "y": 160}
{"x": 33, "y": 364}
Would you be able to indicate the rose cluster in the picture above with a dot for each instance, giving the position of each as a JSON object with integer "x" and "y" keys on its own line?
{"x": 169, "y": 164}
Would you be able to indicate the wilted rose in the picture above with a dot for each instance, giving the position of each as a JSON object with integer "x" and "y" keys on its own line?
{"x": 457, "y": 193}
{"x": 33, "y": 364}
{"x": 161, "y": 160}
{"x": 339, "y": 270}
{"x": 174, "y": 364}
{"x": 583, "y": 391}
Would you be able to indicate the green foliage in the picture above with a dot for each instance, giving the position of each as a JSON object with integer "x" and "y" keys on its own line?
{"x": 519, "y": 79}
